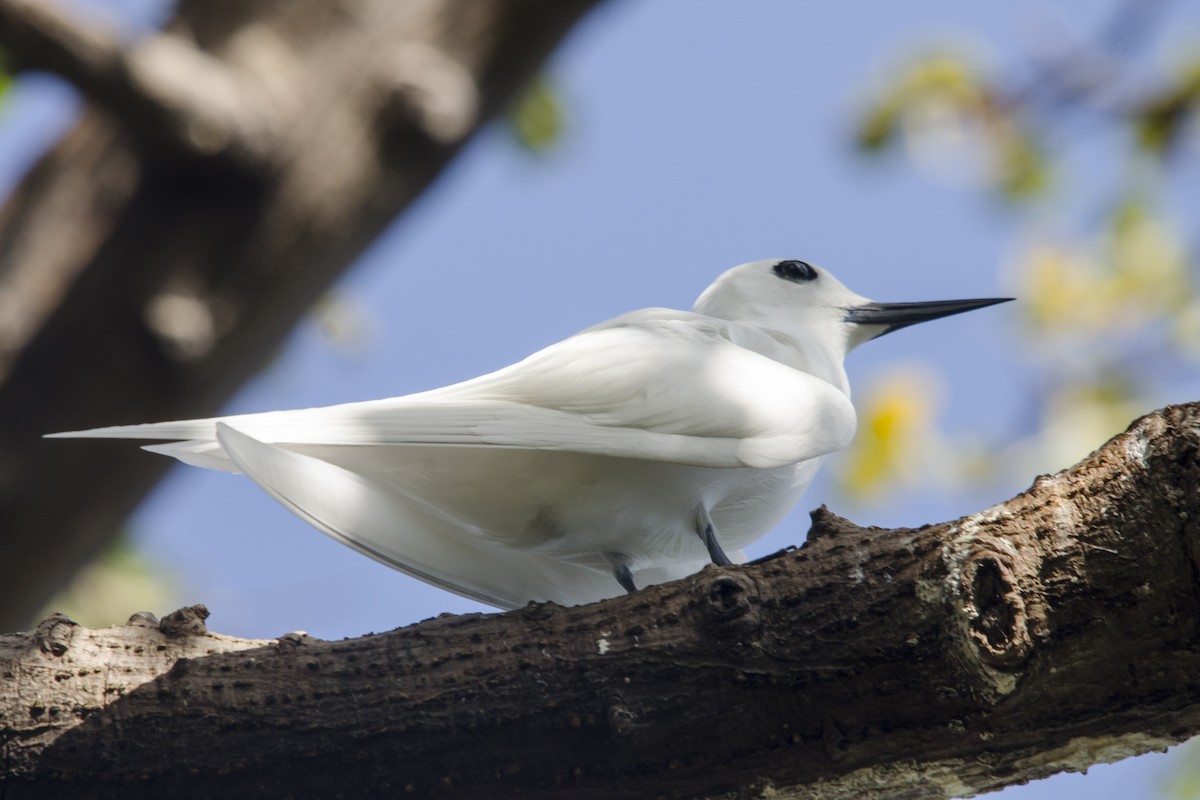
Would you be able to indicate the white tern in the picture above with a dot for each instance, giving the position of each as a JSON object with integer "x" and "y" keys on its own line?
{"x": 632, "y": 453}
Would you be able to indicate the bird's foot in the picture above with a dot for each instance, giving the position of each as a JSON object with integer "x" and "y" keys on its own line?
{"x": 708, "y": 534}
{"x": 621, "y": 571}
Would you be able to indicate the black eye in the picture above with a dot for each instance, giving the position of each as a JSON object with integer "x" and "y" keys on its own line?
{"x": 798, "y": 271}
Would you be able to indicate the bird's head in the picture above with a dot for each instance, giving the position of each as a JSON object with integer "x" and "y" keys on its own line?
{"x": 794, "y": 296}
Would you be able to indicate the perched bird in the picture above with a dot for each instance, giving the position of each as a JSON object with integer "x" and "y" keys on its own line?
{"x": 629, "y": 454}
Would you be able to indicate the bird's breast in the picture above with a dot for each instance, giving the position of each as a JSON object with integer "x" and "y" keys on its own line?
{"x": 571, "y": 505}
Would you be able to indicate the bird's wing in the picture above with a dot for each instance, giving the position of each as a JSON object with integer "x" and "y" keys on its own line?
{"x": 670, "y": 389}
{"x": 365, "y": 514}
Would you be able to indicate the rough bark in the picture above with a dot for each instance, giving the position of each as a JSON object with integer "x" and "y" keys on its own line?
{"x": 1048, "y": 633}
{"x": 228, "y": 170}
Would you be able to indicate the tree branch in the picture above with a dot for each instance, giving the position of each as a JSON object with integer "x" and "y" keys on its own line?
{"x": 162, "y": 87}
{"x": 1048, "y": 633}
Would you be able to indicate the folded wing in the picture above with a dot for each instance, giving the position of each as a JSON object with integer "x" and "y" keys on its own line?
{"x": 673, "y": 390}
{"x": 367, "y": 516}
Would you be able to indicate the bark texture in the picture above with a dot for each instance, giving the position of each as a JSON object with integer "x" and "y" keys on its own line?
{"x": 228, "y": 169}
{"x": 1048, "y": 633}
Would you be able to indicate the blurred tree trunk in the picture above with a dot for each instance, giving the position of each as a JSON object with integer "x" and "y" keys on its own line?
{"x": 224, "y": 174}
{"x": 1055, "y": 631}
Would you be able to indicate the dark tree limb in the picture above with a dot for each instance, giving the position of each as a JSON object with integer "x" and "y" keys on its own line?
{"x": 230, "y": 169}
{"x": 1048, "y": 633}
{"x": 162, "y": 87}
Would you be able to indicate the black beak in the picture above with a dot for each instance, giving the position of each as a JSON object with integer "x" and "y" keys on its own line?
{"x": 895, "y": 316}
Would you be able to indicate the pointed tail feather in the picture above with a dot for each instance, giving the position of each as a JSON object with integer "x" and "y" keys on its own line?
{"x": 204, "y": 430}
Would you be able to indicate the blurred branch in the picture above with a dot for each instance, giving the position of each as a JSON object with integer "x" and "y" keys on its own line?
{"x": 1092, "y": 76}
{"x": 968, "y": 127}
{"x": 1055, "y": 631}
{"x": 161, "y": 87}
{"x": 1084, "y": 72}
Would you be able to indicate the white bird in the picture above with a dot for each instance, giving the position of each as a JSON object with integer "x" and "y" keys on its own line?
{"x": 629, "y": 454}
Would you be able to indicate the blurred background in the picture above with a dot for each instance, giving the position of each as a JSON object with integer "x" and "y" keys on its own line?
{"x": 1046, "y": 150}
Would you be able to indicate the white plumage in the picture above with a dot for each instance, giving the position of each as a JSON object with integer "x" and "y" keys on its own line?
{"x": 630, "y": 453}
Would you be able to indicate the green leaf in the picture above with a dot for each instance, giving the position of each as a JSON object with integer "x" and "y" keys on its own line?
{"x": 876, "y": 128}
{"x": 6, "y": 78}
{"x": 935, "y": 76}
{"x": 1159, "y": 121}
{"x": 1025, "y": 170}
{"x": 536, "y": 119}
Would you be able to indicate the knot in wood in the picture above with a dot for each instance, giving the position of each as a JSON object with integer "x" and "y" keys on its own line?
{"x": 295, "y": 639}
{"x": 833, "y": 738}
{"x": 142, "y": 619}
{"x": 827, "y": 525}
{"x": 620, "y": 718}
{"x": 540, "y": 612}
{"x": 187, "y": 621}
{"x": 54, "y": 633}
{"x": 997, "y": 621}
{"x": 731, "y": 597}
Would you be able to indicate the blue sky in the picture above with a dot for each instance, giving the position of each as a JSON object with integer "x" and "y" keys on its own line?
{"x": 701, "y": 134}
